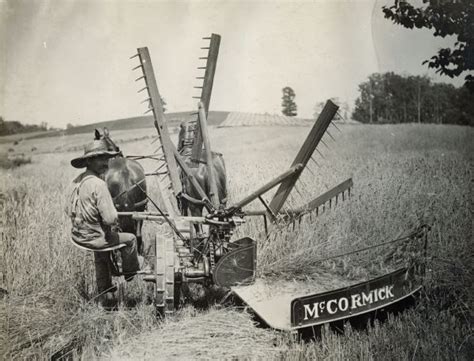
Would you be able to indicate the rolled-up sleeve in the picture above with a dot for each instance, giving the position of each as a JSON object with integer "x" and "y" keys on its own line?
{"x": 105, "y": 205}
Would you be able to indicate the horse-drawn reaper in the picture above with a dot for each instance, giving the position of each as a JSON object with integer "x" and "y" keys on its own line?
{"x": 201, "y": 247}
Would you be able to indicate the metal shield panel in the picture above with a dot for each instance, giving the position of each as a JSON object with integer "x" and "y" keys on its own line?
{"x": 238, "y": 266}
{"x": 354, "y": 300}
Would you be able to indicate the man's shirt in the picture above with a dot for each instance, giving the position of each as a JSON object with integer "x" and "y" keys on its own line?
{"x": 91, "y": 209}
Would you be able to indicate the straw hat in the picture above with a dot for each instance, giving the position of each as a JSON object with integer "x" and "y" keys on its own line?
{"x": 91, "y": 150}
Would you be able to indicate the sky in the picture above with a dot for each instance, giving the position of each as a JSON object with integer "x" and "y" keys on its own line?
{"x": 69, "y": 61}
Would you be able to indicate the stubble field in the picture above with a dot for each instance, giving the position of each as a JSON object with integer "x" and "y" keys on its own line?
{"x": 404, "y": 176}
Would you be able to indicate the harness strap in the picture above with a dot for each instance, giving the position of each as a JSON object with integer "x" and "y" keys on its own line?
{"x": 75, "y": 214}
{"x": 192, "y": 199}
{"x": 140, "y": 204}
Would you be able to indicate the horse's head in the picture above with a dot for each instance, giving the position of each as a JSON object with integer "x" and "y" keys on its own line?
{"x": 109, "y": 142}
{"x": 121, "y": 177}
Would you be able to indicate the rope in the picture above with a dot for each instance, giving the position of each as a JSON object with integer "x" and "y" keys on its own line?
{"x": 422, "y": 231}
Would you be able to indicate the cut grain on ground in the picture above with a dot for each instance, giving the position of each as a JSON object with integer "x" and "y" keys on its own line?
{"x": 215, "y": 334}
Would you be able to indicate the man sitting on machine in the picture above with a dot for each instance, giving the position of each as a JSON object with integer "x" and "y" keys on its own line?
{"x": 94, "y": 218}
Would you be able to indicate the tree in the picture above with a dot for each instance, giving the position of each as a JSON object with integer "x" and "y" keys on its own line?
{"x": 3, "y": 127}
{"x": 318, "y": 108}
{"x": 163, "y": 102}
{"x": 288, "y": 104}
{"x": 392, "y": 98}
{"x": 446, "y": 17}
{"x": 342, "y": 113}
{"x": 14, "y": 127}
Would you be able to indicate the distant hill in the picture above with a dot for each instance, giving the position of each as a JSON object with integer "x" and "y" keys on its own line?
{"x": 173, "y": 120}
{"x": 22, "y": 136}
{"x": 215, "y": 118}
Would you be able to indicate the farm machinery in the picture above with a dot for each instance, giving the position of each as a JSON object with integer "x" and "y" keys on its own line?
{"x": 203, "y": 249}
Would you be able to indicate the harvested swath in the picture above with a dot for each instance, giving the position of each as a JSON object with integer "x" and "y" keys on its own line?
{"x": 216, "y": 334}
{"x": 30, "y": 322}
{"x": 41, "y": 326}
{"x": 240, "y": 119}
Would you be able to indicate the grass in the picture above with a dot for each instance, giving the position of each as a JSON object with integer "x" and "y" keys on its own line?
{"x": 404, "y": 175}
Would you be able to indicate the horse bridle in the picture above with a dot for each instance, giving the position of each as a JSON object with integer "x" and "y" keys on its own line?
{"x": 116, "y": 148}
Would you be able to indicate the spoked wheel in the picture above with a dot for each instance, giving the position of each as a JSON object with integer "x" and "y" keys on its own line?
{"x": 164, "y": 275}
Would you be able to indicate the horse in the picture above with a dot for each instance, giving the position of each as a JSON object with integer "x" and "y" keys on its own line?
{"x": 125, "y": 179}
{"x": 190, "y": 199}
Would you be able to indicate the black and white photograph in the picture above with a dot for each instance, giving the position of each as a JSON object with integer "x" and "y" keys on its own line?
{"x": 236, "y": 180}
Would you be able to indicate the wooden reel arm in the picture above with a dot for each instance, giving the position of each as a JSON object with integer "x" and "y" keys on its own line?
{"x": 171, "y": 156}
{"x": 288, "y": 179}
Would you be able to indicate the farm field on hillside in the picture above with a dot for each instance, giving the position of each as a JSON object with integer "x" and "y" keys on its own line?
{"x": 404, "y": 176}
{"x": 70, "y": 143}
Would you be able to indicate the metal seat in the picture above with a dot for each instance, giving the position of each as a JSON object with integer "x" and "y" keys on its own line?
{"x": 116, "y": 268}
{"x": 108, "y": 249}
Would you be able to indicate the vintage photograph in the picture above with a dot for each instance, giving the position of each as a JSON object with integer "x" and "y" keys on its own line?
{"x": 236, "y": 180}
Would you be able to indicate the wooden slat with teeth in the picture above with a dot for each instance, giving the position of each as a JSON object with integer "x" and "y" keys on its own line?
{"x": 304, "y": 155}
{"x": 156, "y": 107}
{"x": 206, "y": 91}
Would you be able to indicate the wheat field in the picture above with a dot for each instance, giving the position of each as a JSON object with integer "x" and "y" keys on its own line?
{"x": 404, "y": 176}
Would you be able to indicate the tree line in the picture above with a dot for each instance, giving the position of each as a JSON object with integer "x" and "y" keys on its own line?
{"x": 15, "y": 127}
{"x": 392, "y": 98}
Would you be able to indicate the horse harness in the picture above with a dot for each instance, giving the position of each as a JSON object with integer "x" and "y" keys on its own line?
{"x": 76, "y": 217}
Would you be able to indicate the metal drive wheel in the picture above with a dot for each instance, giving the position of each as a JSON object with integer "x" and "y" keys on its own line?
{"x": 164, "y": 275}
